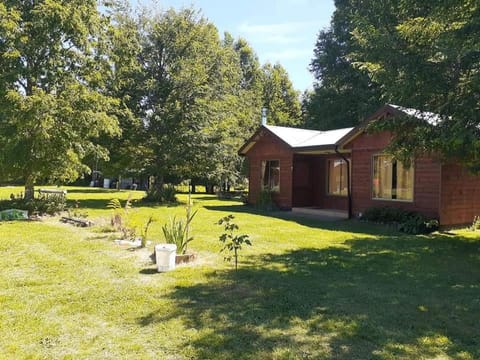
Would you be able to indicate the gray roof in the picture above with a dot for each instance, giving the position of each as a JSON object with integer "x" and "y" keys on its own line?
{"x": 300, "y": 138}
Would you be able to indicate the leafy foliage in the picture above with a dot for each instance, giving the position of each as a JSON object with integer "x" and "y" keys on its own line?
{"x": 409, "y": 222}
{"x": 476, "y": 224}
{"x": 343, "y": 95}
{"x": 231, "y": 241}
{"x": 166, "y": 194}
{"x": 121, "y": 220}
{"x": 53, "y": 103}
{"x": 178, "y": 231}
{"x": 280, "y": 99}
{"x": 265, "y": 200}
{"x": 175, "y": 232}
{"x": 40, "y": 205}
{"x": 425, "y": 55}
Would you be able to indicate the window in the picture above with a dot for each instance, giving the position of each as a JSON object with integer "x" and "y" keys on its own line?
{"x": 271, "y": 175}
{"x": 337, "y": 177}
{"x": 391, "y": 179}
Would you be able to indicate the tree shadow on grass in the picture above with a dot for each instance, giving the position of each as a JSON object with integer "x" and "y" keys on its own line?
{"x": 353, "y": 226}
{"x": 97, "y": 191}
{"x": 390, "y": 298}
{"x": 102, "y": 204}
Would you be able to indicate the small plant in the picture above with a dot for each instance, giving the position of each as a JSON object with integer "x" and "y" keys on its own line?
{"x": 265, "y": 200}
{"x": 120, "y": 218}
{"x": 178, "y": 231}
{"x": 144, "y": 232}
{"x": 476, "y": 224}
{"x": 231, "y": 241}
{"x": 76, "y": 212}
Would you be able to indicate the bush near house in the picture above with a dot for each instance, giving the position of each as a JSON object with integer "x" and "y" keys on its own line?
{"x": 409, "y": 222}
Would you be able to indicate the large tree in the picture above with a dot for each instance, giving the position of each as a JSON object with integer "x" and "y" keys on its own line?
{"x": 425, "y": 55}
{"x": 191, "y": 97}
{"x": 280, "y": 99}
{"x": 342, "y": 94}
{"x": 52, "y": 99}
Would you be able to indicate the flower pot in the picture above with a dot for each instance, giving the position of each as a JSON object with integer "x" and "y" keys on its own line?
{"x": 184, "y": 258}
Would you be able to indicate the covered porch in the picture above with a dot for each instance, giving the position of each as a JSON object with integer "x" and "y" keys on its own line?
{"x": 320, "y": 214}
{"x": 320, "y": 184}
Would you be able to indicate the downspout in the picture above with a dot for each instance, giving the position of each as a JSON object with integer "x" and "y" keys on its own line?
{"x": 349, "y": 193}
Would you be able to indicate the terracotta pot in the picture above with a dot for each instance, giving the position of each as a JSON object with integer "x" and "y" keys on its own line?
{"x": 184, "y": 259}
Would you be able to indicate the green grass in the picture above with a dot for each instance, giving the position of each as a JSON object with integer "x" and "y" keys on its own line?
{"x": 304, "y": 290}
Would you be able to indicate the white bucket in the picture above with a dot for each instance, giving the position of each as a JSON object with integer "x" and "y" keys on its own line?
{"x": 165, "y": 256}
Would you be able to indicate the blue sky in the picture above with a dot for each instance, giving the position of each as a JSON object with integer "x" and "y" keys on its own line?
{"x": 281, "y": 31}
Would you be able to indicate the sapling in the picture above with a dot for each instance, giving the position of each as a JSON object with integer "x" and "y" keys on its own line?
{"x": 231, "y": 241}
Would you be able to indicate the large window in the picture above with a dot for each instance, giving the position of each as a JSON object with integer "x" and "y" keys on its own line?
{"x": 271, "y": 175}
{"x": 391, "y": 179}
{"x": 337, "y": 177}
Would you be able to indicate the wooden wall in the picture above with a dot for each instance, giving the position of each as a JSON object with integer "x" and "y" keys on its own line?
{"x": 427, "y": 172}
{"x": 460, "y": 201}
{"x": 269, "y": 147}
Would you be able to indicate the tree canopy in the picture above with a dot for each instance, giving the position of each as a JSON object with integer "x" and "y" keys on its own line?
{"x": 145, "y": 94}
{"x": 425, "y": 55}
{"x": 52, "y": 90}
{"x": 418, "y": 54}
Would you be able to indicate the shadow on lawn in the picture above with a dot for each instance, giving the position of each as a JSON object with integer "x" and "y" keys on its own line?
{"x": 391, "y": 298}
{"x": 102, "y": 204}
{"x": 98, "y": 191}
{"x": 352, "y": 226}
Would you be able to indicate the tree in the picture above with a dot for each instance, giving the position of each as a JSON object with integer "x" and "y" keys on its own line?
{"x": 126, "y": 82}
{"x": 190, "y": 97}
{"x": 343, "y": 94}
{"x": 52, "y": 99}
{"x": 279, "y": 97}
{"x": 425, "y": 55}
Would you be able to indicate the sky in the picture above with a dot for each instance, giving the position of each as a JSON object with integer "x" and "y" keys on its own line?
{"x": 282, "y": 31}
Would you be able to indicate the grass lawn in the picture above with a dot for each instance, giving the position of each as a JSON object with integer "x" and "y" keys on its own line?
{"x": 304, "y": 290}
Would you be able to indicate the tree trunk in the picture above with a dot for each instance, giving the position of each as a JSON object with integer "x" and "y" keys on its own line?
{"x": 236, "y": 259}
{"x": 192, "y": 188}
{"x": 210, "y": 189}
{"x": 29, "y": 188}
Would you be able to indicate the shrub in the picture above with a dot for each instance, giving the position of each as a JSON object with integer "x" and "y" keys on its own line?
{"x": 409, "y": 222}
{"x": 41, "y": 205}
{"x": 265, "y": 200}
{"x": 164, "y": 195}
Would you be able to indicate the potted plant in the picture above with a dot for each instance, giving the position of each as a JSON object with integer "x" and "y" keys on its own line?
{"x": 177, "y": 231}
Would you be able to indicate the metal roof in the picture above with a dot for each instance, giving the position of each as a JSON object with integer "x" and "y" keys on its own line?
{"x": 429, "y": 117}
{"x": 300, "y": 138}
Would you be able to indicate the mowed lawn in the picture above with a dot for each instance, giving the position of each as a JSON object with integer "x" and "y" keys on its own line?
{"x": 304, "y": 290}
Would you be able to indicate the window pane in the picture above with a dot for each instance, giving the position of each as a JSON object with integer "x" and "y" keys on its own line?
{"x": 404, "y": 182}
{"x": 264, "y": 174}
{"x": 382, "y": 177}
{"x": 391, "y": 179}
{"x": 271, "y": 175}
{"x": 275, "y": 175}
